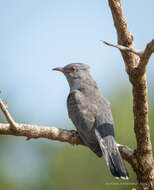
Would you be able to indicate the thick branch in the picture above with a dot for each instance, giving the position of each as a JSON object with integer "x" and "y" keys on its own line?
{"x": 137, "y": 78}
{"x": 125, "y": 38}
{"x": 54, "y": 133}
{"x": 140, "y": 108}
{"x": 136, "y": 71}
{"x": 36, "y": 131}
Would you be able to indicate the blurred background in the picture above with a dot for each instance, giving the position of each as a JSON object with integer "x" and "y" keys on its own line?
{"x": 36, "y": 36}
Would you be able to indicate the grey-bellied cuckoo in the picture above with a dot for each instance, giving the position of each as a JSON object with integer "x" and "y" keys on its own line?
{"x": 91, "y": 114}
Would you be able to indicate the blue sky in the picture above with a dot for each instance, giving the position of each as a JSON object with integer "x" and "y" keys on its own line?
{"x": 38, "y": 35}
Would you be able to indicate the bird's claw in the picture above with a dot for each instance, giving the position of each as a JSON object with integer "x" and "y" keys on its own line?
{"x": 74, "y": 133}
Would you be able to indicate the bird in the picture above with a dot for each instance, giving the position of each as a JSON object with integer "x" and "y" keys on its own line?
{"x": 91, "y": 114}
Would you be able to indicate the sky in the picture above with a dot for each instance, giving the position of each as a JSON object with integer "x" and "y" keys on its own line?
{"x": 37, "y": 36}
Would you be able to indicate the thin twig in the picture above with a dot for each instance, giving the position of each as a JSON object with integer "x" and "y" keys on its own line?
{"x": 123, "y": 48}
{"x": 13, "y": 124}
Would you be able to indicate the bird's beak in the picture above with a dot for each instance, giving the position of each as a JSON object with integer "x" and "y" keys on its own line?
{"x": 61, "y": 69}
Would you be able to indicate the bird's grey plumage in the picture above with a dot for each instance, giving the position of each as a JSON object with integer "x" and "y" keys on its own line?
{"x": 91, "y": 114}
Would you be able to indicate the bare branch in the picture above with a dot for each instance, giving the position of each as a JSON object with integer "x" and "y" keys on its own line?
{"x": 140, "y": 105}
{"x": 54, "y": 133}
{"x": 4, "y": 107}
{"x": 36, "y": 131}
{"x": 125, "y": 38}
{"x": 127, "y": 154}
{"x": 136, "y": 71}
{"x": 123, "y": 48}
{"x": 146, "y": 56}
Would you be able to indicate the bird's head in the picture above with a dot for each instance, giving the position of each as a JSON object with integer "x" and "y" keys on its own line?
{"x": 74, "y": 71}
{"x": 77, "y": 75}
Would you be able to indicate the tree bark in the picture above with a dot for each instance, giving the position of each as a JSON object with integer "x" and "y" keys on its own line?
{"x": 144, "y": 167}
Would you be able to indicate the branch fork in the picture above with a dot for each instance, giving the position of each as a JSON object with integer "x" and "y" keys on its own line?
{"x": 143, "y": 55}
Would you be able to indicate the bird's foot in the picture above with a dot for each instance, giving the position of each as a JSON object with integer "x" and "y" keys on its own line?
{"x": 75, "y": 133}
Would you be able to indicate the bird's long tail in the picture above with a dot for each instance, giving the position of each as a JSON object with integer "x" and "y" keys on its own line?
{"x": 112, "y": 155}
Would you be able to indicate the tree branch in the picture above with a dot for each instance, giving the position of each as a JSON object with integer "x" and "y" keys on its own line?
{"x": 37, "y": 131}
{"x": 136, "y": 76}
{"x": 146, "y": 56}
{"x": 49, "y": 132}
{"x": 54, "y": 133}
{"x": 123, "y": 48}
{"x": 136, "y": 72}
{"x": 138, "y": 79}
{"x": 125, "y": 38}
{"x": 13, "y": 124}
{"x": 127, "y": 154}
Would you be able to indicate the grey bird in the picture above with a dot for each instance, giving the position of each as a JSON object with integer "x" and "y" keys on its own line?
{"x": 91, "y": 114}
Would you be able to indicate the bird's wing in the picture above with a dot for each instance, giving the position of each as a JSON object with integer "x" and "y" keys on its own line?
{"x": 81, "y": 114}
{"x": 104, "y": 120}
{"x": 79, "y": 110}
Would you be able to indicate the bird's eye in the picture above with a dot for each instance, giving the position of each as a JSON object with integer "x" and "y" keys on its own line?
{"x": 73, "y": 69}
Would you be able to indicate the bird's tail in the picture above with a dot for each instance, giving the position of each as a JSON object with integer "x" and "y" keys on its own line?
{"x": 112, "y": 156}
